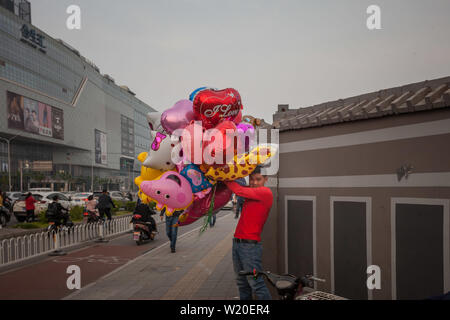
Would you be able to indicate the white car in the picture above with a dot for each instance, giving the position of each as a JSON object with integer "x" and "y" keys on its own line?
{"x": 14, "y": 195}
{"x": 43, "y": 199}
{"x": 79, "y": 199}
{"x": 117, "y": 195}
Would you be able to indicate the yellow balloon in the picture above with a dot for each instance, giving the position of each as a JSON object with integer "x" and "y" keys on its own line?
{"x": 146, "y": 174}
{"x": 242, "y": 166}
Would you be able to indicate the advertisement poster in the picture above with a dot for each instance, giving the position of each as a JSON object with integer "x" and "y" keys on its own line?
{"x": 45, "y": 120}
{"x": 34, "y": 117}
{"x": 31, "y": 115}
{"x": 57, "y": 123}
{"x": 15, "y": 111}
{"x": 100, "y": 147}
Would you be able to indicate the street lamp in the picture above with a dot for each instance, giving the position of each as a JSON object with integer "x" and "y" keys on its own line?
{"x": 8, "y": 141}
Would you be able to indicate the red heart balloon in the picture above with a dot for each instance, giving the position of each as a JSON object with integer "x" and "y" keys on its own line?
{"x": 214, "y": 106}
{"x": 238, "y": 118}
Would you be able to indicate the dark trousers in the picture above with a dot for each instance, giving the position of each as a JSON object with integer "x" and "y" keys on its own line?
{"x": 30, "y": 215}
{"x": 246, "y": 257}
{"x": 105, "y": 211}
{"x": 171, "y": 230}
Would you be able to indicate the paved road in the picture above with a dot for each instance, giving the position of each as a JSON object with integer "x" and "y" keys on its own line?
{"x": 46, "y": 278}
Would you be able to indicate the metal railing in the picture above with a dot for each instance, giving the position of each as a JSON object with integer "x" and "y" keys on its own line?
{"x": 18, "y": 249}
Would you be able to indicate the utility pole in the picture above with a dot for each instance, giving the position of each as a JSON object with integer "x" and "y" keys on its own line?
{"x": 92, "y": 171}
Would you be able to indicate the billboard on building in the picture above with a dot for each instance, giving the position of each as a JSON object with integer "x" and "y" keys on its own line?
{"x": 100, "y": 147}
{"x": 34, "y": 117}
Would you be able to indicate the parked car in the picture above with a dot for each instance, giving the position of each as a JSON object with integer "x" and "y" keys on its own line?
{"x": 14, "y": 195}
{"x": 43, "y": 199}
{"x": 79, "y": 199}
{"x": 117, "y": 195}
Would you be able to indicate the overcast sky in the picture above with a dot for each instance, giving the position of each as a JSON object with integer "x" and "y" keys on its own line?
{"x": 294, "y": 52}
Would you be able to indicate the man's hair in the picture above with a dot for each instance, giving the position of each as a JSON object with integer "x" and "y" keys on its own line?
{"x": 105, "y": 191}
{"x": 90, "y": 197}
{"x": 257, "y": 170}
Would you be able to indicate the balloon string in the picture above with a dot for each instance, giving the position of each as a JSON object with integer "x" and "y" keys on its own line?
{"x": 208, "y": 218}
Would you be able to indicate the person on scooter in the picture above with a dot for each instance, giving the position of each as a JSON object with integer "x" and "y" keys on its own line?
{"x": 56, "y": 212}
{"x": 4, "y": 201}
{"x": 146, "y": 215}
{"x": 91, "y": 205}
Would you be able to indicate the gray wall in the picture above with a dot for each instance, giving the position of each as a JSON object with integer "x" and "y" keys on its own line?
{"x": 426, "y": 154}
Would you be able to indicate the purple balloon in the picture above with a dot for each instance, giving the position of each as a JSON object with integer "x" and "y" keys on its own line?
{"x": 245, "y": 126}
{"x": 177, "y": 117}
{"x": 242, "y": 128}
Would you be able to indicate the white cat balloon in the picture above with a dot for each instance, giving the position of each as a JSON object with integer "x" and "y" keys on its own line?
{"x": 154, "y": 121}
{"x": 160, "y": 154}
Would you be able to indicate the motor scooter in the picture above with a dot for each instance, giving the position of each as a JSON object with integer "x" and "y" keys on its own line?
{"x": 142, "y": 231}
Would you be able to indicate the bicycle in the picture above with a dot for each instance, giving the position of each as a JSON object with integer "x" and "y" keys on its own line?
{"x": 288, "y": 286}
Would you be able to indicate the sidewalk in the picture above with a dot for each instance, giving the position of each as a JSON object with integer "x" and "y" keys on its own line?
{"x": 201, "y": 269}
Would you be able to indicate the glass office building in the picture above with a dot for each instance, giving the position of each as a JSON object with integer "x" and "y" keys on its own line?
{"x": 66, "y": 122}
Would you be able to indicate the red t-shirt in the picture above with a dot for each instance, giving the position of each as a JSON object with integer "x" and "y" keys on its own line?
{"x": 255, "y": 211}
{"x": 29, "y": 203}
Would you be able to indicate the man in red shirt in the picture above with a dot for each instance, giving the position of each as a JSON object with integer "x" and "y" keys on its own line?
{"x": 247, "y": 247}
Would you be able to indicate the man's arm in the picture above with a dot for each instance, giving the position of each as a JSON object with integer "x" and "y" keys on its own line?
{"x": 110, "y": 200}
{"x": 246, "y": 192}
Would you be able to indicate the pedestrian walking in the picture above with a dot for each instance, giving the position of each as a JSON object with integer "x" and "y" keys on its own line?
{"x": 171, "y": 227}
{"x": 247, "y": 246}
{"x": 29, "y": 207}
{"x": 239, "y": 200}
{"x": 105, "y": 204}
{"x": 212, "y": 222}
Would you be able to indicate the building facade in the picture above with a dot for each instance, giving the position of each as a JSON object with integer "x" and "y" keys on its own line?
{"x": 365, "y": 181}
{"x": 67, "y": 121}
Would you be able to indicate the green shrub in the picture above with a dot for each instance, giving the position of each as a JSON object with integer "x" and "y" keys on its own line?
{"x": 42, "y": 218}
{"x": 76, "y": 213}
{"x": 130, "y": 206}
{"x": 30, "y": 225}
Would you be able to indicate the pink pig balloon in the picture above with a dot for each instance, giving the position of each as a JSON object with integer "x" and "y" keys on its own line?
{"x": 177, "y": 117}
{"x": 171, "y": 191}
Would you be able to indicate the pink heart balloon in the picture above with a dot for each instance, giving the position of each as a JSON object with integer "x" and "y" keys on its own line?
{"x": 177, "y": 117}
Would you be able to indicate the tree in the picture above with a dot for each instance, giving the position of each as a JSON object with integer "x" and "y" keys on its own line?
{"x": 66, "y": 177}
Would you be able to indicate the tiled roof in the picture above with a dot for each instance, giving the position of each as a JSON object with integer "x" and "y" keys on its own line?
{"x": 426, "y": 95}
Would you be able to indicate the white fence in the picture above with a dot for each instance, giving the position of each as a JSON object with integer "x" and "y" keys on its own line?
{"x": 17, "y": 249}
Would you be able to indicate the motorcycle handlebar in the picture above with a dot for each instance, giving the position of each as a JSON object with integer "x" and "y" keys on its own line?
{"x": 257, "y": 273}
